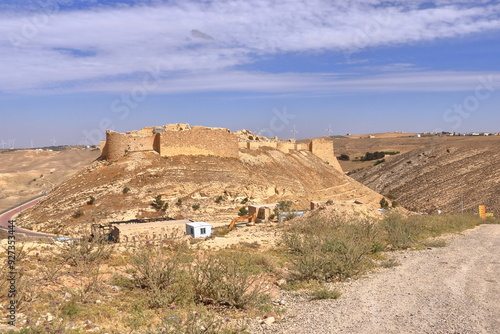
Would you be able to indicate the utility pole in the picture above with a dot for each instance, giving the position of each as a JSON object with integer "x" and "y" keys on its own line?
{"x": 462, "y": 188}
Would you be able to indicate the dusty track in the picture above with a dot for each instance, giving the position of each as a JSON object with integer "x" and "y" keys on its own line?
{"x": 455, "y": 289}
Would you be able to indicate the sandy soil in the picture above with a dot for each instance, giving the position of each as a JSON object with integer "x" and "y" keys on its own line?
{"x": 455, "y": 289}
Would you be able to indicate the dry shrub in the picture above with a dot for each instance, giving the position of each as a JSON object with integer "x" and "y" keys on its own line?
{"x": 160, "y": 272}
{"x": 85, "y": 251}
{"x": 402, "y": 232}
{"x": 328, "y": 249}
{"x": 227, "y": 279}
{"x": 196, "y": 322}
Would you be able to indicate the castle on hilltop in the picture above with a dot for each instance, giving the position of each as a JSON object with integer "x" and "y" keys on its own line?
{"x": 183, "y": 139}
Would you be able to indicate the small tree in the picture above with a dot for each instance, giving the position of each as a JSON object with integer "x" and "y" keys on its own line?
{"x": 384, "y": 204}
{"x": 243, "y": 212}
{"x": 179, "y": 202}
{"x": 344, "y": 157}
{"x": 91, "y": 200}
{"x": 160, "y": 204}
{"x": 196, "y": 206}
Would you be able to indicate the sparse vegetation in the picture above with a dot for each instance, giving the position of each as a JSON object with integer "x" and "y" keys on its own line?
{"x": 324, "y": 293}
{"x": 126, "y": 190}
{"x": 243, "y": 211}
{"x": 244, "y": 201}
{"x": 169, "y": 287}
{"x": 228, "y": 279}
{"x": 378, "y": 162}
{"x": 78, "y": 213}
{"x": 329, "y": 250}
{"x": 91, "y": 200}
{"x": 390, "y": 263}
{"x": 179, "y": 202}
{"x": 160, "y": 204}
{"x": 85, "y": 251}
{"x": 384, "y": 204}
{"x": 372, "y": 156}
{"x": 219, "y": 199}
{"x": 196, "y": 206}
{"x": 344, "y": 157}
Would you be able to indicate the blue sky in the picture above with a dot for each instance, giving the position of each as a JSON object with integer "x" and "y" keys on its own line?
{"x": 72, "y": 69}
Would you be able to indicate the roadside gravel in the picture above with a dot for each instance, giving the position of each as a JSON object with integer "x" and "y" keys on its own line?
{"x": 455, "y": 289}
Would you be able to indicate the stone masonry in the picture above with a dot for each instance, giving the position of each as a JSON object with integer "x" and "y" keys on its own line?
{"x": 183, "y": 139}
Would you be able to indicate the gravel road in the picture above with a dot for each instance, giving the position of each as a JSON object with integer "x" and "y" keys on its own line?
{"x": 455, "y": 289}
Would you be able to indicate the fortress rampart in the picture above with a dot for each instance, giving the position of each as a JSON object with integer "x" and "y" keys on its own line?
{"x": 182, "y": 139}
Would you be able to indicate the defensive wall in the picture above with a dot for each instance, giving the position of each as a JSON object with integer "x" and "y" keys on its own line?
{"x": 182, "y": 139}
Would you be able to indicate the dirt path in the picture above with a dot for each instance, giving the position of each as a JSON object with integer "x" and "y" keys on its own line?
{"x": 455, "y": 289}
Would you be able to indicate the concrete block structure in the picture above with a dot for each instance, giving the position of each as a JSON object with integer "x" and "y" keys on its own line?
{"x": 198, "y": 229}
{"x": 183, "y": 139}
{"x": 263, "y": 212}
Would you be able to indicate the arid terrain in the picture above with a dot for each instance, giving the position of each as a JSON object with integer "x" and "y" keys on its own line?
{"x": 454, "y": 289}
{"x": 124, "y": 189}
{"x": 27, "y": 173}
{"x": 442, "y": 174}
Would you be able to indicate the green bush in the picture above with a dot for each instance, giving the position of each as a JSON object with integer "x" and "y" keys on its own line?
{"x": 344, "y": 157}
{"x": 91, "y": 200}
{"x": 159, "y": 204}
{"x": 243, "y": 212}
{"x": 196, "y": 206}
{"x": 384, "y": 204}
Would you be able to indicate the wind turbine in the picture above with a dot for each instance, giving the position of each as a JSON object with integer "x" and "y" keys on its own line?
{"x": 11, "y": 143}
{"x": 3, "y": 144}
{"x": 294, "y": 131}
{"x": 329, "y": 130}
{"x": 53, "y": 140}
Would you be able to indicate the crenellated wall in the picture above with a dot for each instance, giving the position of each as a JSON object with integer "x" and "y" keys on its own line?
{"x": 182, "y": 139}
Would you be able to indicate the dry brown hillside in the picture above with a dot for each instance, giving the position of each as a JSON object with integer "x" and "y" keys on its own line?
{"x": 438, "y": 174}
{"x": 124, "y": 189}
{"x": 26, "y": 173}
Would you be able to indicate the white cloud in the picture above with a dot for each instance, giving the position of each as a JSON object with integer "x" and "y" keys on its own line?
{"x": 35, "y": 47}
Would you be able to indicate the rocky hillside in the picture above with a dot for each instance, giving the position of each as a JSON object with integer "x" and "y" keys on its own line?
{"x": 205, "y": 188}
{"x": 440, "y": 175}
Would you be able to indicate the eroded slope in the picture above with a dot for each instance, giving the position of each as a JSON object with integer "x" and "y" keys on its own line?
{"x": 125, "y": 189}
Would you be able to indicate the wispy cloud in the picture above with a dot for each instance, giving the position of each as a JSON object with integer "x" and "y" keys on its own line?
{"x": 198, "y": 45}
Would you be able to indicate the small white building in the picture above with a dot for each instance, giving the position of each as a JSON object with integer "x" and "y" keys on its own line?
{"x": 198, "y": 229}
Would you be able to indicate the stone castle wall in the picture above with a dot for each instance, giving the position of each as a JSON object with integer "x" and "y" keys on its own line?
{"x": 182, "y": 139}
{"x": 199, "y": 141}
{"x": 119, "y": 144}
{"x": 324, "y": 149}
